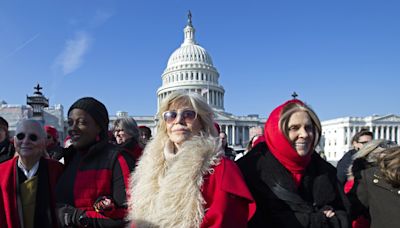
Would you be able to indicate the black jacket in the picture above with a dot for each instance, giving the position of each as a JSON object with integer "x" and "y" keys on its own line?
{"x": 280, "y": 203}
{"x": 343, "y": 166}
{"x": 6, "y": 150}
{"x": 371, "y": 193}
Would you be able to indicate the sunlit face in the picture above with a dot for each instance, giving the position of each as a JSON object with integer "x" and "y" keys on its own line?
{"x": 121, "y": 136}
{"x": 182, "y": 129}
{"x": 364, "y": 139}
{"x": 82, "y": 128}
{"x": 28, "y": 142}
{"x": 301, "y": 132}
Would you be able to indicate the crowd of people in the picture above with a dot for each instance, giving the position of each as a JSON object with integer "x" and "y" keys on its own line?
{"x": 186, "y": 175}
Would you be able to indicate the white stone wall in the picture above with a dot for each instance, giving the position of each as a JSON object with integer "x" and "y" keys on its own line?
{"x": 337, "y": 133}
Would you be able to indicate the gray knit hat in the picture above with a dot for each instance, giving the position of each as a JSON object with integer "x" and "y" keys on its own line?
{"x": 96, "y": 110}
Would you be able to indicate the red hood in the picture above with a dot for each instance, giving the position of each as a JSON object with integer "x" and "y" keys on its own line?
{"x": 279, "y": 145}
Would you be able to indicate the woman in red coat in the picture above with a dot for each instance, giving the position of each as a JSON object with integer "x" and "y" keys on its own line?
{"x": 182, "y": 178}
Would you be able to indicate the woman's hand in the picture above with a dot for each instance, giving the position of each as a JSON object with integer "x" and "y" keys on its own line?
{"x": 329, "y": 213}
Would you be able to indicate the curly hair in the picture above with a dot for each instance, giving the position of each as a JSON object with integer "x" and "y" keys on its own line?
{"x": 389, "y": 164}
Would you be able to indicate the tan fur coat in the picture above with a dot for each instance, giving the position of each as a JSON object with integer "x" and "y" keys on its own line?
{"x": 165, "y": 189}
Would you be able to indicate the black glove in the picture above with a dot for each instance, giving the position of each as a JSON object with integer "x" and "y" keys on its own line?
{"x": 69, "y": 216}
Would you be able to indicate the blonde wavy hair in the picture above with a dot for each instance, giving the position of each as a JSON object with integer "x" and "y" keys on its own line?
{"x": 205, "y": 114}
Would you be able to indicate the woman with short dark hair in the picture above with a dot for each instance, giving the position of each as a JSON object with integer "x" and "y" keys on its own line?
{"x": 126, "y": 133}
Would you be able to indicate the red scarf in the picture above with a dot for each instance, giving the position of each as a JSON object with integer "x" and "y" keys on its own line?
{"x": 280, "y": 146}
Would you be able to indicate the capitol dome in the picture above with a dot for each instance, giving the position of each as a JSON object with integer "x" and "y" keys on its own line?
{"x": 189, "y": 53}
{"x": 190, "y": 68}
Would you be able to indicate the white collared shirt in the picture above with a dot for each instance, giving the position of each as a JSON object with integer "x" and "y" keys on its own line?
{"x": 28, "y": 173}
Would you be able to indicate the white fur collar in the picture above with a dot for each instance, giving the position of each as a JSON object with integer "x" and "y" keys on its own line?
{"x": 169, "y": 195}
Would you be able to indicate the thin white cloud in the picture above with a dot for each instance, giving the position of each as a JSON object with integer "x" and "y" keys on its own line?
{"x": 20, "y": 47}
{"x": 72, "y": 57}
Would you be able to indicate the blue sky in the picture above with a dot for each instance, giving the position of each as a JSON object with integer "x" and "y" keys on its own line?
{"x": 342, "y": 57}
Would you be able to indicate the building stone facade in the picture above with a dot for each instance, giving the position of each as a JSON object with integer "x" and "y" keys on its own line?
{"x": 52, "y": 115}
{"x": 337, "y": 133}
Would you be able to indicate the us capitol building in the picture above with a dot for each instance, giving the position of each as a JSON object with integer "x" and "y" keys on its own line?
{"x": 190, "y": 68}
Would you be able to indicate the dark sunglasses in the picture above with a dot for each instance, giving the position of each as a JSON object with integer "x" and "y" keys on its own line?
{"x": 32, "y": 137}
{"x": 187, "y": 115}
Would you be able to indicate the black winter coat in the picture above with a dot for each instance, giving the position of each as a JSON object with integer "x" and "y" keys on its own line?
{"x": 372, "y": 194}
{"x": 280, "y": 203}
{"x": 7, "y": 150}
{"x": 343, "y": 166}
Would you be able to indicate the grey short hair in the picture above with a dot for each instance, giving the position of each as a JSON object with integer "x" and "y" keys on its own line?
{"x": 40, "y": 127}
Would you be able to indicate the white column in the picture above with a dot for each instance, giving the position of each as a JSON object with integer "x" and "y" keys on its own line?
{"x": 248, "y": 133}
{"x": 230, "y": 133}
{"x": 243, "y": 135}
{"x": 381, "y": 132}
{"x": 398, "y": 135}
{"x": 212, "y": 97}
{"x": 387, "y": 133}
{"x": 393, "y": 138}
{"x": 233, "y": 135}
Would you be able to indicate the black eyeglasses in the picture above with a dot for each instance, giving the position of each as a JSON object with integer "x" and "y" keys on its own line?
{"x": 32, "y": 137}
{"x": 187, "y": 115}
{"x": 364, "y": 142}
